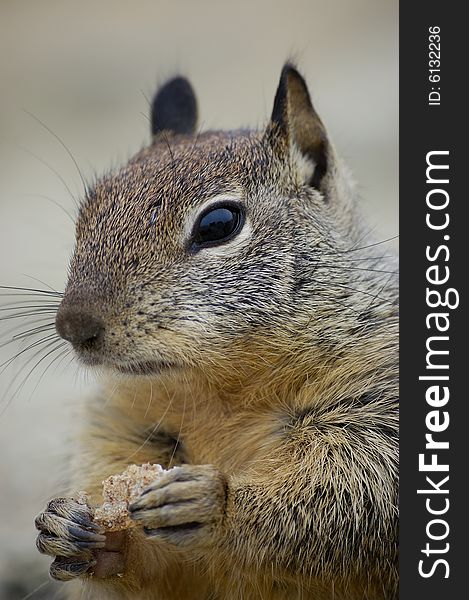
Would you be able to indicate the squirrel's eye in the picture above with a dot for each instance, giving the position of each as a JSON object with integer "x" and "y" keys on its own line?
{"x": 218, "y": 225}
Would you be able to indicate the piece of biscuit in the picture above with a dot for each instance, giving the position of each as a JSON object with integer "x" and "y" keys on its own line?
{"x": 119, "y": 491}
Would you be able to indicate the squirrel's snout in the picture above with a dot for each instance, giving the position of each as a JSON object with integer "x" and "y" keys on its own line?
{"x": 81, "y": 328}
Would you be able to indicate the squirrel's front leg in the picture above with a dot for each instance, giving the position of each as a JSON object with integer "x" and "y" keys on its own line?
{"x": 295, "y": 523}
{"x": 68, "y": 533}
{"x": 81, "y": 548}
{"x": 185, "y": 506}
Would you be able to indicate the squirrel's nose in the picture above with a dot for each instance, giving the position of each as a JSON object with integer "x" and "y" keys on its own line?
{"x": 79, "y": 327}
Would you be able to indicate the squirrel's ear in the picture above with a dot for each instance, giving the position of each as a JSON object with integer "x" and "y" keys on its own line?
{"x": 174, "y": 108}
{"x": 296, "y": 126}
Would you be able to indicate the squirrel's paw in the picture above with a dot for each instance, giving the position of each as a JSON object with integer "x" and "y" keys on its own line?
{"x": 67, "y": 532}
{"x": 183, "y": 506}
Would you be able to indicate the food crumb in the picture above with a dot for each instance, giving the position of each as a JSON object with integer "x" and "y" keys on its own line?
{"x": 119, "y": 491}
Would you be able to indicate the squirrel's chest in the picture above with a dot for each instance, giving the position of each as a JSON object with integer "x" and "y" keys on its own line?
{"x": 205, "y": 430}
{"x": 233, "y": 442}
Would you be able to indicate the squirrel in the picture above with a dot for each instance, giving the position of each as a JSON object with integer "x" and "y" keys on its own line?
{"x": 244, "y": 328}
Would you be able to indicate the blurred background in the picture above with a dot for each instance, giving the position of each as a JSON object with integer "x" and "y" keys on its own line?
{"x": 85, "y": 69}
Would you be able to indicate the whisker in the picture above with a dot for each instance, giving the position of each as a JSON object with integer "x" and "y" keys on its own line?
{"x": 150, "y": 400}
{"x": 51, "y": 362}
{"x": 72, "y": 358}
{"x": 170, "y": 150}
{"x": 8, "y": 362}
{"x": 55, "y": 202}
{"x": 109, "y": 397}
{"x": 356, "y": 290}
{"x": 196, "y": 140}
{"x": 364, "y": 236}
{"x": 27, "y": 305}
{"x": 28, "y": 333}
{"x": 353, "y": 249}
{"x": 152, "y": 432}
{"x": 352, "y": 268}
{"x": 28, "y": 314}
{"x": 52, "y": 170}
{"x": 43, "y": 283}
{"x": 24, "y": 381}
{"x": 135, "y": 396}
{"x": 146, "y": 97}
{"x": 347, "y": 306}
{"x": 34, "y": 290}
{"x": 11, "y": 330}
{"x": 77, "y": 373}
{"x": 31, "y": 303}
{"x": 358, "y": 259}
{"x": 179, "y": 434}
{"x": 31, "y": 358}
{"x": 66, "y": 352}
{"x": 145, "y": 116}
{"x": 34, "y": 331}
{"x": 379, "y": 292}
{"x": 36, "y": 589}
{"x": 64, "y": 146}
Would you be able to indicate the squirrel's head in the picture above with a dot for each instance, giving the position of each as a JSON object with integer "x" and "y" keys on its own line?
{"x": 204, "y": 243}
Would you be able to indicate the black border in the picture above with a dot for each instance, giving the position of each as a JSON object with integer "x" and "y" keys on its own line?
{"x": 424, "y": 128}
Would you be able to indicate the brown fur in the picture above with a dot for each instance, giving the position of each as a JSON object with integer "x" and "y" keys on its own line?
{"x": 282, "y": 400}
